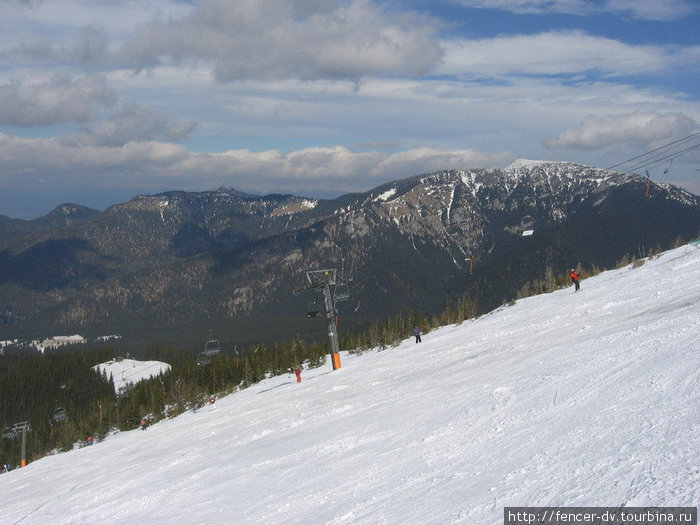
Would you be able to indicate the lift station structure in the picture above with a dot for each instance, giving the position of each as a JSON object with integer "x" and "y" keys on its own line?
{"x": 334, "y": 289}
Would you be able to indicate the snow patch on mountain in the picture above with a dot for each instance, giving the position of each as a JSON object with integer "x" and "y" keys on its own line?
{"x": 128, "y": 372}
{"x": 383, "y": 197}
{"x": 528, "y": 164}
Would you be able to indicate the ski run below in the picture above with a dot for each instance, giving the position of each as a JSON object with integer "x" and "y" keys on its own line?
{"x": 563, "y": 399}
{"x": 127, "y": 372}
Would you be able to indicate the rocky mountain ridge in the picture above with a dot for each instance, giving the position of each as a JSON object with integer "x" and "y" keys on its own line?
{"x": 178, "y": 264}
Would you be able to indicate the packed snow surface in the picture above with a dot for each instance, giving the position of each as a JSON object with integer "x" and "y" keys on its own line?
{"x": 578, "y": 399}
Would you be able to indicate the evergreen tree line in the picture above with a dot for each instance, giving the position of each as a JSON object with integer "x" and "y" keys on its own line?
{"x": 552, "y": 281}
{"x": 41, "y": 389}
{"x": 390, "y": 332}
{"x": 65, "y": 400}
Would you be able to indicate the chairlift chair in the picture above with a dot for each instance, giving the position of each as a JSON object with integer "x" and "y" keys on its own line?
{"x": 212, "y": 347}
{"x": 342, "y": 291}
{"x": 59, "y": 415}
{"x": 203, "y": 359}
{"x": 124, "y": 390}
{"x": 9, "y": 433}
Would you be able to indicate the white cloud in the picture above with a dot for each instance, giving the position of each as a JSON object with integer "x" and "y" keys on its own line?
{"x": 61, "y": 100}
{"x": 643, "y": 129}
{"x": 272, "y": 39}
{"x": 133, "y": 123}
{"x": 556, "y": 53}
{"x": 154, "y": 165}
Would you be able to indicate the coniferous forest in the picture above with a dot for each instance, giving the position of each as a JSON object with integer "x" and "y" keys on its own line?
{"x": 65, "y": 401}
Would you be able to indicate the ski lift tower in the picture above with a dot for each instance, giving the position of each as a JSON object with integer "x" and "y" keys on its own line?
{"x": 21, "y": 427}
{"x": 334, "y": 290}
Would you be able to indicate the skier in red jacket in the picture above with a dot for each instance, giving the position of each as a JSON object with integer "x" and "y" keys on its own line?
{"x": 574, "y": 278}
{"x": 298, "y": 373}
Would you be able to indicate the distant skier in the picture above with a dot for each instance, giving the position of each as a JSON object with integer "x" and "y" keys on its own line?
{"x": 298, "y": 374}
{"x": 90, "y": 440}
{"x": 212, "y": 402}
{"x": 574, "y": 278}
{"x": 144, "y": 424}
{"x": 416, "y": 333}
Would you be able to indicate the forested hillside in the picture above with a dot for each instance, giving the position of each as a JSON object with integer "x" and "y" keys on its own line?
{"x": 65, "y": 401}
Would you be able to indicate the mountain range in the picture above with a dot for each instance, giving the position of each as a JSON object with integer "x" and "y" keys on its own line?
{"x": 181, "y": 267}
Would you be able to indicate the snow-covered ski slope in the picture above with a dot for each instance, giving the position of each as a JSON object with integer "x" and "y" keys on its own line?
{"x": 580, "y": 399}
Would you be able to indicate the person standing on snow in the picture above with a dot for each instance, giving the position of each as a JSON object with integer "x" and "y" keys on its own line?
{"x": 144, "y": 424}
{"x": 574, "y": 278}
{"x": 298, "y": 373}
{"x": 416, "y": 333}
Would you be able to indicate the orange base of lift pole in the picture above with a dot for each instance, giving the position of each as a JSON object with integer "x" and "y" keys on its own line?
{"x": 22, "y": 463}
{"x": 336, "y": 361}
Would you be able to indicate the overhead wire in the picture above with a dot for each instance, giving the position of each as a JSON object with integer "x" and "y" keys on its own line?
{"x": 658, "y": 156}
{"x": 654, "y": 162}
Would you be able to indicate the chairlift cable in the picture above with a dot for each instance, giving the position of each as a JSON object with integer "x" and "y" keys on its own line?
{"x": 649, "y": 153}
{"x": 655, "y": 162}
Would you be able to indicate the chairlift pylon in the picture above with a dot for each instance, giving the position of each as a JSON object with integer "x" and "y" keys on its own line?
{"x": 12, "y": 432}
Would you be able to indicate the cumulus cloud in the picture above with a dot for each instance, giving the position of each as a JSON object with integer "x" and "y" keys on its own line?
{"x": 642, "y": 129}
{"x": 95, "y": 165}
{"x": 59, "y": 101}
{"x": 275, "y": 39}
{"x": 133, "y": 123}
{"x": 154, "y": 165}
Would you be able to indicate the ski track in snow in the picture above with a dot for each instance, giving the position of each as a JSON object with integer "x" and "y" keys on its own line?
{"x": 576, "y": 399}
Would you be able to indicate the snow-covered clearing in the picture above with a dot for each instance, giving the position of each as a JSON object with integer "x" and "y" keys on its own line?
{"x": 128, "y": 372}
{"x": 580, "y": 399}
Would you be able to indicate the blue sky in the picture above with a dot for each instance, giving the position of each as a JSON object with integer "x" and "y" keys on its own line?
{"x": 104, "y": 100}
